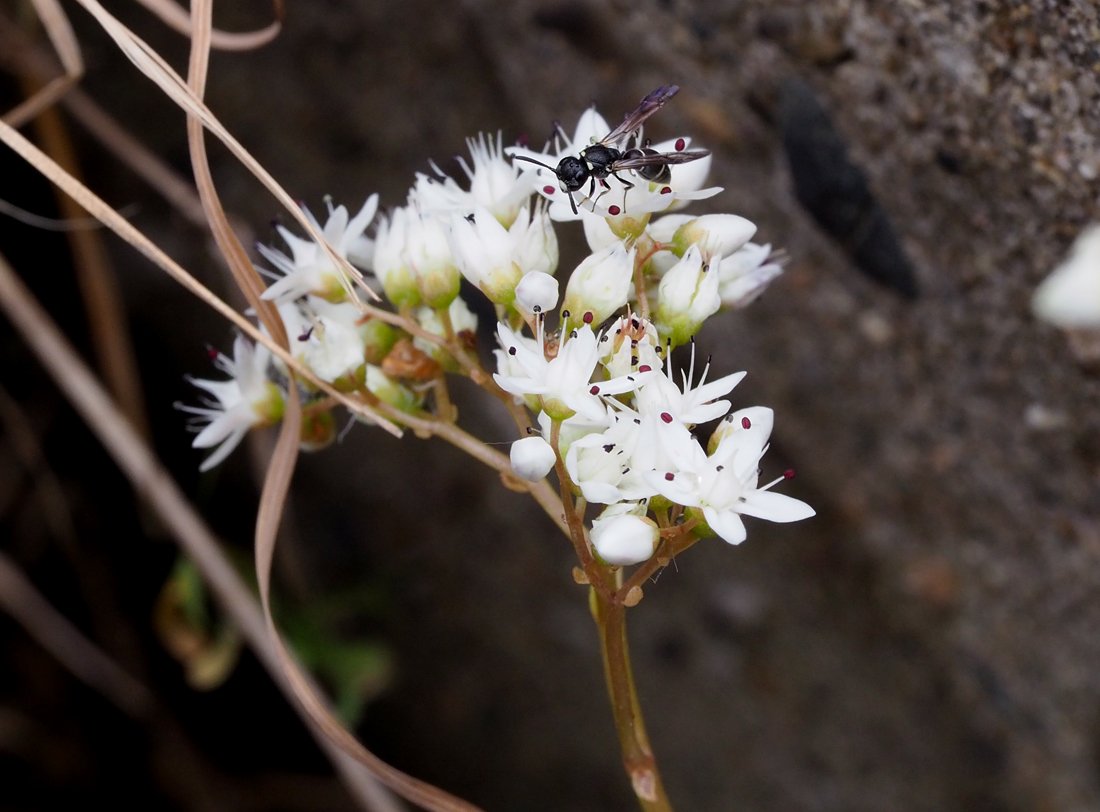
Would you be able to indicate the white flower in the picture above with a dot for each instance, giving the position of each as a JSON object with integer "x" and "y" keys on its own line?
{"x": 716, "y": 235}
{"x": 496, "y": 183}
{"x": 485, "y": 253}
{"x": 326, "y": 337}
{"x": 440, "y": 195}
{"x": 563, "y": 383}
{"x": 429, "y": 254}
{"x": 630, "y": 345}
{"x": 623, "y": 538}
{"x": 663, "y": 229}
{"x": 389, "y": 391}
{"x": 686, "y": 297}
{"x": 660, "y": 397}
{"x": 1070, "y": 296}
{"x": 463, "y": 321}
{"x": 532, "y": 458}
{"x": 536, "y": 293}
{"x": 600, "y": 285}
{"x": 746, "y": 273}
{"x": 391, "y": 259}
{"x": 597, "y": 232}
{"x": 536, "y": 242}
{"x": 573, "y": 428}
{"x": 610, "y": 467}
{"x": 247, "y": 399}
{"x": 724, "y": 484}
{"x": 309, "y": 269}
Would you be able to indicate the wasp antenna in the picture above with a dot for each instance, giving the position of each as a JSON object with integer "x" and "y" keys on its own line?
{"x": 531, "y": 161}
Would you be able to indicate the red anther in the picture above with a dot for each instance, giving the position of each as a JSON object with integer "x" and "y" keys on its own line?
{"x": 548, "y": 190}
{"x": 667, "y": 190}
{"x": 670, "y": 476}
{"x": 788, "y": 474}
{"x": 613, "y": 210}
{"x": 595, "y": 390}
{"x": 588, "y": 317}
{"x": 680, "y": 144}
{"x": 746, "y": 423}
{"x": 665, "y": 416}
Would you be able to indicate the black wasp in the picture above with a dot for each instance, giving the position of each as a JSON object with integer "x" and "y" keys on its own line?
{"x": 610, "y": 155}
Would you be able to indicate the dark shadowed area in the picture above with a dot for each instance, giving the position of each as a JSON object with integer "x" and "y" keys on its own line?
{"x": 927, "y": 643}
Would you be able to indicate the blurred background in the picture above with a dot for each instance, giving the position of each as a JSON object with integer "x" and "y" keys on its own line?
{"x": 928, "y": 642}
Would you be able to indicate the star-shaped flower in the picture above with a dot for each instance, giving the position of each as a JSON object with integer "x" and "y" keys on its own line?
{"x": 563, "y": 383}
{"x": 247, "y": 399}
{"x": 309, "y": 268}
{"x": 723, "y": 485}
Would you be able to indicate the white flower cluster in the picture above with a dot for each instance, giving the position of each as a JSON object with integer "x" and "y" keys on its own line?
{"x": 598, "y": 377}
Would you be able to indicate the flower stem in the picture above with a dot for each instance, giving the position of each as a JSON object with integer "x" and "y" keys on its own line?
{"x": 610, "y": 615}
{"x": 609, "y": 611}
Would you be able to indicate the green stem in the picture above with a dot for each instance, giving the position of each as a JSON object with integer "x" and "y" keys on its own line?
{"x": 641, "y": 767}
{"x": 609, "y": 611}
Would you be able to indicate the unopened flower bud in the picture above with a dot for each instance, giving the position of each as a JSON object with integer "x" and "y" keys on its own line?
{"x": 625, "y": 539}
{"x": 429, "y": 253}
{"x": 532, "y": 458}
{"x": 391, "y": 261}
{"x": 536, "y": 243}
{"x": 717, "y": 235}
{"x": 378, "y": 339}
{"x": 318, "y": 430}
{"x": 536, "y": 293}
{"x": 389, "y": 391}
{"x": 483, "y": 251}
{"x": 600, "y": 285}
{"x": 686, "y": 297}
{"x": 746, "y": 274}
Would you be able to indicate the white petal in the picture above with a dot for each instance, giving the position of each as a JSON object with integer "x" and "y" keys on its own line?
{"x": 624, "y": 540}
{"x": 532, "y": 458}
{"x": 224, "y": 449}
{"x": 726, "y": 524}
{"x": 775, "y": 507}
{"x": 537, "y": 292}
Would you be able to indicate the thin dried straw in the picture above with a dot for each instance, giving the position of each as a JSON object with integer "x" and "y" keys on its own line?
{"x": 280, "y": 469}
{"x": 150, "y": 63}
{"x": 111, "y": 218}
{"x": 60, "y": 33}
{"x": 178, "y": 19}
{"x": 153, "y": 483}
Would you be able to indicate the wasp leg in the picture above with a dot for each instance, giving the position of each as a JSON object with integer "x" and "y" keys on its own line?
{"x": 627, "y": 186}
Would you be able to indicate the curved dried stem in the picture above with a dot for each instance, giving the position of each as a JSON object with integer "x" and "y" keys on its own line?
{"x": 111, "y": 218}
{"x": 154, "y": 483}
{"x": 61, "y": 36}
{"x": 152, "y": 65}
{"x": 179, "y": 20}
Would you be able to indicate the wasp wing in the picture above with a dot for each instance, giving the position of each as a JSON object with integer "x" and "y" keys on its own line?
{"x": 633, "y": 120}
{"x": 659, "y": 159}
